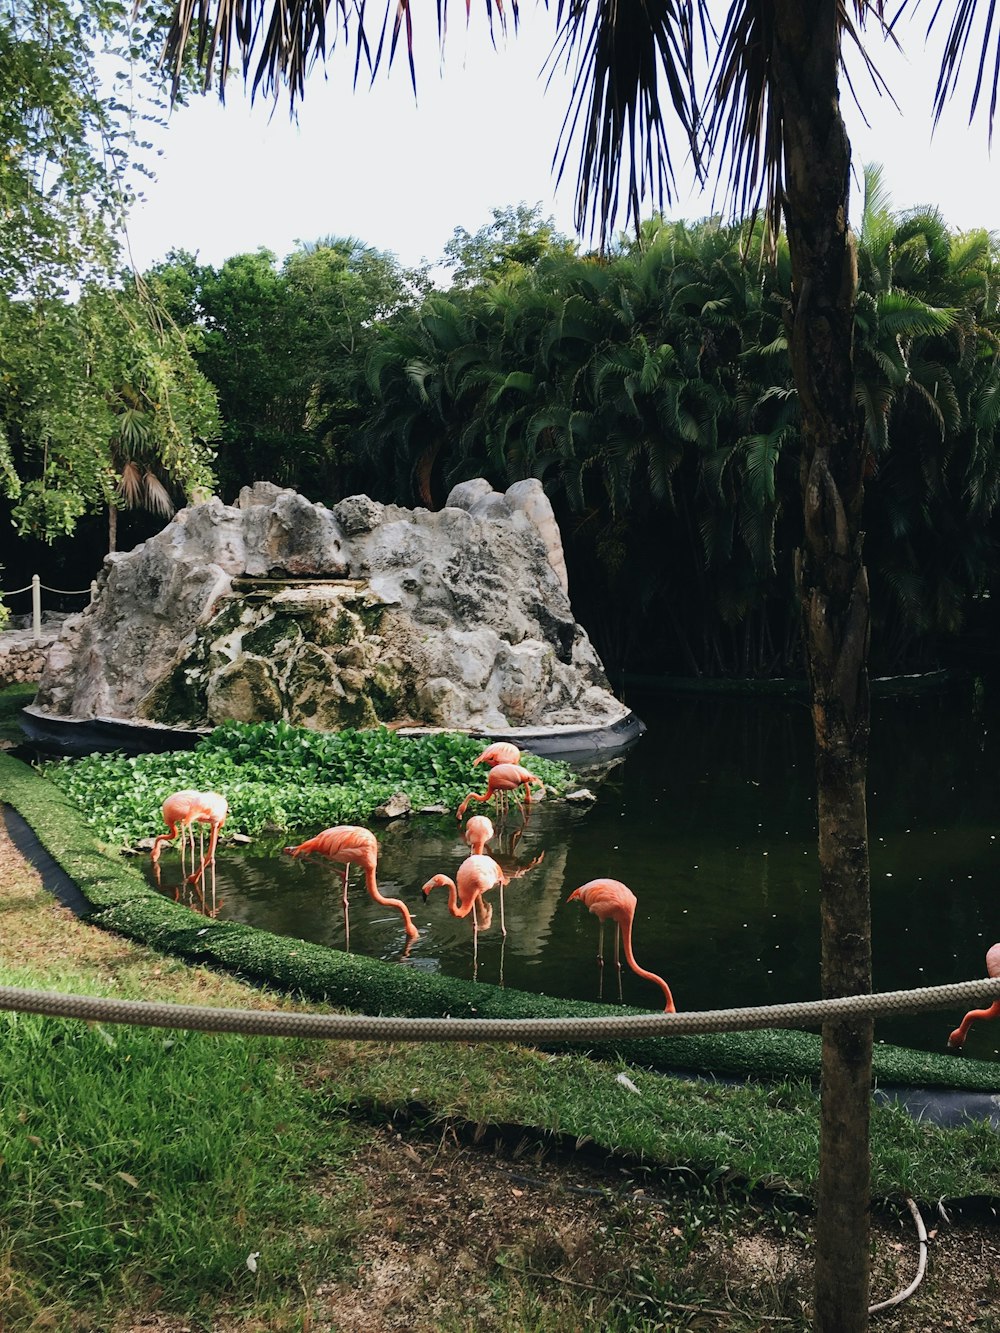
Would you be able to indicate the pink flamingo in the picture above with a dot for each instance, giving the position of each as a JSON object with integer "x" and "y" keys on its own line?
{"x": 181, "y": 810}
{"x": 610, "y": 899}
{"x": 504, "y": 778}
{"x": 500, "y": 752}
{"x": 353, "y": 846}
{"x": 474, "y": 877}
{"x": 177, "y": 816}
{"x": 957, "y": 1039}
{"x": 478, "y": 832}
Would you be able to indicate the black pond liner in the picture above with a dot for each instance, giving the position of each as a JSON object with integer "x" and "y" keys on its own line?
{"x": 51, "y": 734}
{"x": 945, "y": 1107}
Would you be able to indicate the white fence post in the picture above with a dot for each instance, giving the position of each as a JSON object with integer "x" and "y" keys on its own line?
{"x": 36, "y": 606}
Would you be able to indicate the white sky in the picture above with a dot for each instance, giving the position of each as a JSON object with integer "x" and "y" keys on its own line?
{"x": 401, "y": 176}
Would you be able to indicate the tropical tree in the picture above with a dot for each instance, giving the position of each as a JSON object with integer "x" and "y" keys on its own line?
{"x": 516, "y": 239}
{"x": 103, "y": 409}
{"x": 283, "y": 343}
{"x": 771, "y": 110}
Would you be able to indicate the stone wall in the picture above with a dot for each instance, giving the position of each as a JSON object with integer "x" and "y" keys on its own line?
{"x": 22, "y": 656}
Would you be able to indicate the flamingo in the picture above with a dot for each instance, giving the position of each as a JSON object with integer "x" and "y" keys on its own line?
{"x": 478, "y": 832}
{"x": 504, "y": 778}
{"x": 475, "y": 876}
{"x": 184, "y": 808}
{"x": 957, "y": 1039}
{"x": 610, "y": 899}
{"x": 500, "y": 752}
{"x": 177, "y": 816}
{"x": 353, "y": 846}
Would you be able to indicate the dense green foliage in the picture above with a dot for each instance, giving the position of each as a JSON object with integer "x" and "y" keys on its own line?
{"x": 101, "y": 405}
{"x": 104, "y": 408}
{"x": 652, "y": 392}
{"x": 278, "y": 777}
{"x": 282, "y": 345}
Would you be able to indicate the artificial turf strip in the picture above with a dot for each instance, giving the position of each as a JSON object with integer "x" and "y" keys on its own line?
{"x": 123, "y": 902}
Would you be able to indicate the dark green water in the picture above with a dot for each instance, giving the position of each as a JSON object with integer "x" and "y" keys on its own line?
{"x": 711, "y": 822}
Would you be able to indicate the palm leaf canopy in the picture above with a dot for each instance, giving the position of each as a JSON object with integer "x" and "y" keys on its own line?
{"x": 637, "y": 69}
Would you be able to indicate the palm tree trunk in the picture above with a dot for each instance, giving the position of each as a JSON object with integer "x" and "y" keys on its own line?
{"x": 112, "y": 528}
{"x": 833, "y": 591}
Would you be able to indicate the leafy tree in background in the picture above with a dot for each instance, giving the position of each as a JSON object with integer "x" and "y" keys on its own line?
{"x": 283, "y": 345}
{"x": 103, "y": 408}
{"x": 515, "y": 241}
{"x": 101, "y": 405}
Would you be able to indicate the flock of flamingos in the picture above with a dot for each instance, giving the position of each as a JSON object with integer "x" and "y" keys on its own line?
{"x": 478, "y": 874}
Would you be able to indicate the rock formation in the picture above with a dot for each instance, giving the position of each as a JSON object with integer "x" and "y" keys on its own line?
{"x": 276, "y": 607}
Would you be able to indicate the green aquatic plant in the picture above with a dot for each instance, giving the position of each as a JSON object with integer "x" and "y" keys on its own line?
{"x": 278, "y": 777}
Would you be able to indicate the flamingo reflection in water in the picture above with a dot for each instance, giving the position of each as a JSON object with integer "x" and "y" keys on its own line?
{"x": 351, "y": 845}
{"x": 609, "y": 899}
{"x": 957, "y": 1039}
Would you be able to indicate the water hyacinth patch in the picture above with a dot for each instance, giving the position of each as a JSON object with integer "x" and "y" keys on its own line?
{"x": 278, "y": 777}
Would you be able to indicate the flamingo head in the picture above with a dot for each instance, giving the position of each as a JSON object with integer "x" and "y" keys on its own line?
{"x": 956, "y": 1042}
{"x": 436, "y": 882}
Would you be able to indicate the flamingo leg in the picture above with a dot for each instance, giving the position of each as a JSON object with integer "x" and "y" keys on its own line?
{"x": 503, "y": 923}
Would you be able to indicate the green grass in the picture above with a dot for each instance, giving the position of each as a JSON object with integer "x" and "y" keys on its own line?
{"x": 754, "y": 1134}
{"x": 138, "y": 1160}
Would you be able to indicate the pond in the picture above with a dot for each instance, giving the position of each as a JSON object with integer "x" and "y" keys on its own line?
{"x": 710, "y": 820}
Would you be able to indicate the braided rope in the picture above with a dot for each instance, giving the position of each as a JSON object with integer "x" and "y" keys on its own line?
{"x": 364, "y": 1027}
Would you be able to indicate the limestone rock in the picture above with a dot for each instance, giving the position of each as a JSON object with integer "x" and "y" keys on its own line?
{"x": 346, "y": 616}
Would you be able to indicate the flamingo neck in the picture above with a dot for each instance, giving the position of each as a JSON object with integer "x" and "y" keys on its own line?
{"x": 400, "y": 906}
{"x": 668, "y": 1008}
{"x": 958, "y": 1037}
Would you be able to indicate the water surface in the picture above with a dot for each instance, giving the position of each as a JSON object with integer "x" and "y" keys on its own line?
{"x": 710, "y": 820}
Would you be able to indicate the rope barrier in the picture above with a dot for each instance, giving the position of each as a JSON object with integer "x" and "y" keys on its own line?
{"x": 65, "y": 592}
{"x": 36, "y": 586}
{"x": 366, "y": 1027}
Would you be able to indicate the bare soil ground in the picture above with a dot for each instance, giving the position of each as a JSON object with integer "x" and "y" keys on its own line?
{"x": 472, "y": 1238}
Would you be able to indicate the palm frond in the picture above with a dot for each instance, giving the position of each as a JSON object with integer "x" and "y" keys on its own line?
{"x": 620, "y": 56}
{"x": 965, "y": 19}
